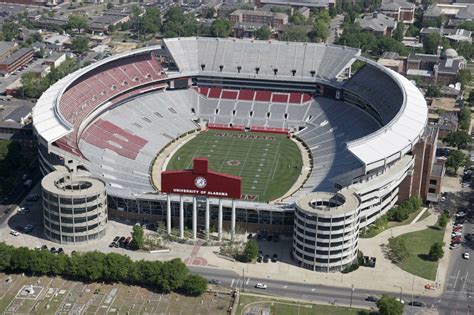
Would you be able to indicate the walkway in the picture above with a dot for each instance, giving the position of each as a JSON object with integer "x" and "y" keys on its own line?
{"x": 363, "y": 278}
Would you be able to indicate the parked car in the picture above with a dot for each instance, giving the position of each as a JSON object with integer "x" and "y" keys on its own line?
{"x": 274, "y": 258}
{"x": 28, "y": 228}
{"x": 44, "y": 247}
{"x": 266, "y": 258}
{"x": 454, "y": 246}
{"x": 260, "y": 286}
{"x": 60, "y": 250}
{"x": 14, "y": 233}
{"x": 417, "y": 303}
{"x": 465, "y": 255}
{"x": 112, "y": 244}
{"x": 372, "y": 298}
{"x": 116, "y": 238}
{"x": 215, "y": 281}
{"x": 53, "y": 250}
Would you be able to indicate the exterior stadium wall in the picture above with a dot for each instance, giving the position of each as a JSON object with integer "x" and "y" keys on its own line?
{"x": 372, "y": 189}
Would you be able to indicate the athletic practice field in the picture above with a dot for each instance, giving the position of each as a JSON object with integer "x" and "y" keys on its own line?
{"x": 269, "y": 164}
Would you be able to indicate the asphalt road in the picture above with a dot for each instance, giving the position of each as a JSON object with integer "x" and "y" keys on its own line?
{"x": 458, "y": 297}
{"x": 446, "y": 304}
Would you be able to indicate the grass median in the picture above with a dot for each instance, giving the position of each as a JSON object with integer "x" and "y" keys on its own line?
{"x": 418, "y": 245}
{"x": 260, "y": 304}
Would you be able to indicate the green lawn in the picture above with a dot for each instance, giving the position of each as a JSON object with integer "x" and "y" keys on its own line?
{"x": 373, "y": 230}
{"x": 269, "y": 164}
{"x": 288, "y": 307}
{"x": 411, "y": 217}
{"x": 418, "y": 245}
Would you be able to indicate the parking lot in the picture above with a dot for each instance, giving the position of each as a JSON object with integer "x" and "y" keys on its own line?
{"x": 29, "y": 215}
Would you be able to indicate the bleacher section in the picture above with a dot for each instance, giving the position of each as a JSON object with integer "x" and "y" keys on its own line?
{"x": 148, "y": 123}
{"x": 259, "y": 110}
{"x": 115, "y": 81}
{"x": 276, "y": 59}
{"x": 106, "y": 82}
{"x": 257, "y": 95}
{"x": 331, "y": 124}
{"x": 378, "y": 89}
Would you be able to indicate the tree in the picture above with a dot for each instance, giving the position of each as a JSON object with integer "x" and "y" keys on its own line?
{"x": 263, "y": 32}
{"x": 80, "y": 44}
{"x": 455, "y": 160}
{"x": 110, "y": 5}
{"x": 321, "y": 30}
{"x": 116, "y": 267}
{"x": 10, "y": 31}
{"x": 399, "y": 31}
{"x": 470, "y": 98}
{"x": 295, "y": 33}
{"x": 221, "y": 28}
{"x": 433, "y": 91}
{"x": 250, "y": 251}
{"x": 443, "y": 220}
{"x": 390, "y": 44}
{"x": 398, "y": 251}
{"x": 150, "y": 22}
{"x": 412, "y": 31}
{"x": 194, "y": 285}
{"x": 77, "y": 22}
{"x": 297, "y": 18}
{"x": 436, "y": 251}
{"x": 173, "y": 275}
{"x": 389, "y": 306}
{"x": 137, "y": 237}
{"x": 459, "y": 139}
{"x": 5, "y": 256}
{"x": 177, "y": 24}
{"x": 431, "y": 43}
{"x": 465, "y": 118}
{"x": 464, "y": 76}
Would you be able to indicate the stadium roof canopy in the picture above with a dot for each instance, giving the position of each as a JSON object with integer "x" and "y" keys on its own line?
{"x": 397, "y": 137}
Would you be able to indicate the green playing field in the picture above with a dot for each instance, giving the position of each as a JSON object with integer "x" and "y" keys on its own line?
{"x": 269, "y": 164}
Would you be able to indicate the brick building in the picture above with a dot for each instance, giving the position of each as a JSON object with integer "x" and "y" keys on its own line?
{"x": 274, "y": 19}
{"x": 418, "y": 181}
{"x": 16, "y": 60}
{"x": 400, "y": 10}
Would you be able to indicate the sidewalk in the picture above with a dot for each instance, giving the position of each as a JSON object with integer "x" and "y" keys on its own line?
{"x": 363, "y": 278}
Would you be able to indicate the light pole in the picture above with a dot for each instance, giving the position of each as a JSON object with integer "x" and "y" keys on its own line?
{"x": 243, "y": 281}
{"x": 352, "y": 292}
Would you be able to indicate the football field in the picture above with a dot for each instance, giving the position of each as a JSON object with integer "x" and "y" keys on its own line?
{"x": 269, "y": 164}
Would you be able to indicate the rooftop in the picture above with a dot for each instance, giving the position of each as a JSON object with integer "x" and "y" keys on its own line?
{"x": 17, "y": 54}
{"x": 395, "y": 5}
{"x": 6, "y": 46}
{"x": 376, "y": 22}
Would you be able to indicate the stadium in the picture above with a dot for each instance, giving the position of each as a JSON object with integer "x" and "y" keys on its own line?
{"x": 238, "y": 136}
